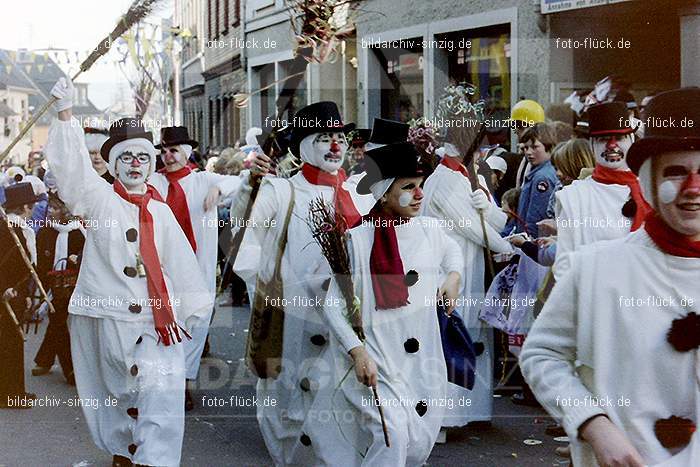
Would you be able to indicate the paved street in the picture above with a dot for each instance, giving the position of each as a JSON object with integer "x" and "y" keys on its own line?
{"x": 228, "y": 436}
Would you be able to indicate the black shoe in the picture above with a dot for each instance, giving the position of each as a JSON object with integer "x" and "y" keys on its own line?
{"x": 555, "y": 430}
{"x": 189, "y": 402}
{"x": 121, "y": 461}
{"x": 41, "y": 370}
{"x": 520, "y": 399}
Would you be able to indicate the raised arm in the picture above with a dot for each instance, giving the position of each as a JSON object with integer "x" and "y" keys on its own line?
{"x": 79, "y": 186}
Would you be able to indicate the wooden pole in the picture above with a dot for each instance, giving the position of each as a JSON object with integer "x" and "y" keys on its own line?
{"x": 381, "y": 417}
{"x": 14, "y": 319}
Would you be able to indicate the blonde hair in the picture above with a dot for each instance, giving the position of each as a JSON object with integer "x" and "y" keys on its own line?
{"x": 571, "y": 156}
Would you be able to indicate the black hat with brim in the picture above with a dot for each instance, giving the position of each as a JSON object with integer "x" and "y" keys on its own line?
{"x": 361, "y": 135}
{"x": 319, "y": 117}
{"x": 19, "y": 194}
{"x": 123, "y": 129}
{"x": 608, "y": 119}
{"x": 388, "y": 132}
{"x": 672, "y": 124}
{"x": 397, "y": 160}
{"x": 175, "y": 135}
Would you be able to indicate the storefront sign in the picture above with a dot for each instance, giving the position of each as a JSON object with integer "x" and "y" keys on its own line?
{"x": 555, "y": 6}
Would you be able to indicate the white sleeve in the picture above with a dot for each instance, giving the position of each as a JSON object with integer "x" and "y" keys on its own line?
{"x": 566, "y": 243}
{"x": 467, "y": 222}
{"x": 549, "y": 354}
{"x": 335, "y": 311}
{"x": 265, "y": 209}
{"x": 79, "y": 186}
{"x": 193, "y": 299}
{"x": 226, "y": 184}
{"x": 452, "y": 258}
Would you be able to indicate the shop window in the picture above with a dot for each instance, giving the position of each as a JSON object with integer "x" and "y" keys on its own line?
{"x": 287, "y": 68}
{"x": 401, "y": 80}
{"x": 480, "y": 57}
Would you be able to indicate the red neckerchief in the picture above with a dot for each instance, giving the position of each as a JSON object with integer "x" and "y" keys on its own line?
{"x": 453, "y": 164}
{"x": 669, "y": 240}
{"x": 163, "y": 317}
{"x": 385, "y": 265}
{"x": 343, "y": 201}
{"x": 177, "y": 201}
{"x": 619, "y": 177}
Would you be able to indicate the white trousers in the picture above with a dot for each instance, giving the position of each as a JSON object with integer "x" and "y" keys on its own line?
{"x": 131, "y": 389}
{"x": 195, "y": 347}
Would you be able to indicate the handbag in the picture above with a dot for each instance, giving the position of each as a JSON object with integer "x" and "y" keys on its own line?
{"x": 458, "y": 349}
{"x": 266, "y": 329}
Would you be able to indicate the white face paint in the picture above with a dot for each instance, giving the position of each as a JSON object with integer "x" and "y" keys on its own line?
{"x": 405, "y": 199}
{"x": 611, "y": 151}
{"x": 668, "y": 191}
{"x": 324, "y": 150}
{"x": 133, "y": 173}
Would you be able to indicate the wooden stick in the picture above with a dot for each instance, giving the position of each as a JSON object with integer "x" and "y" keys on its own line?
{"x": 13, "y": 317}
{"x": 489, "y": 261}
{"x": 381, "y": 416}
{"x": 27, "y": 261}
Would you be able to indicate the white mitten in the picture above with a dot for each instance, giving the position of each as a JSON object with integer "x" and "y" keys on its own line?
{"x": 63, "y": 90}
{"x": 480, "y": 201}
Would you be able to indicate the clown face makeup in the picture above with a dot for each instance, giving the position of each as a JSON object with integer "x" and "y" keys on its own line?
{"x": 404, "y": 197}
{"x": 677, "y": 179}
{"x": 133, "y": 166}
{"x": 324, "y": 150}
{"x": 175, "y": 157}
{"x": 611, "y": 151}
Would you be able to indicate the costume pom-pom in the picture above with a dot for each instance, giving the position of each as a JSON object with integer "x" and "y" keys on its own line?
{"x": 674, "y": 432}
{"x": 684, "y": 334}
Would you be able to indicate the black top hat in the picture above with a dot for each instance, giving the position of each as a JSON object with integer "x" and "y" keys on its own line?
{"x": 19, "y": 194}
{"x": 95, "y": 131}
{"x": 361, "y": 135}
{"x": 388, "y": 131}
{"x": 390, "y": 161}
{"x": 609, "y": 119}
{"x": 174, "y": 135}
{"x": 672, "y": 124}
{"x": 316, "y": 118}
{"x": 123, "y": 129}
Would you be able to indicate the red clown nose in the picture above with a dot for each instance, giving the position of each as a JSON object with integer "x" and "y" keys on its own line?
{"x": 691, "y": 185}
{"x": 335, "y": 147}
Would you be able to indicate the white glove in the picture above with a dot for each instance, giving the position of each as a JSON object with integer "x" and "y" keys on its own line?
{"x": 480, "y": 201}
{"x": 63, "y": 90}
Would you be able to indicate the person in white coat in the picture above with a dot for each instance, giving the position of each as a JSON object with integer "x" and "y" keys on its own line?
{"x": 319, "y": 139}
{"x": 138, "y": 292}
{"x": 399, "y": 260}
{"x": 609, "y": 204}
{"x": 449, "y": 197}
{"x": 614, "y": 353}
{"x": 193, "y": 198}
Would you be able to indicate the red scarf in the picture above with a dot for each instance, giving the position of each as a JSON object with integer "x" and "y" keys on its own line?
{"x": 618, "y": 177}
{"x": 163, "y": 317}
{"x": 385, "y": 265}
{"x": 343, "y": 202}
{"x": 178, "y": 202}
{"x": 669, "y": 240}
{"x": 454, "y": 164}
